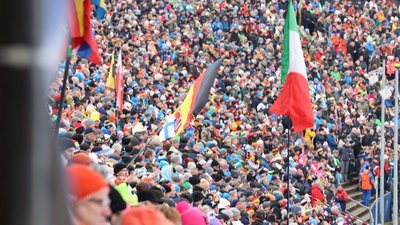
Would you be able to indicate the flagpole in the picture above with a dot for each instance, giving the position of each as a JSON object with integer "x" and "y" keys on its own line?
{"x": 64, "y": 84}
{"x": 396, "y": 150}
{"x": 116, "y": 118}
{"x": 288, "y": 172}
{"x": 382, "y": 153}
{"x": 144, "y": 147}
{"x": 115, "y": 88}
{"x": 115, "y": 93}
{"x": 117, "y": 113}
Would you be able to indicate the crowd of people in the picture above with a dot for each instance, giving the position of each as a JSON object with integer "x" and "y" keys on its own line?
{"x": 230, "y": 165}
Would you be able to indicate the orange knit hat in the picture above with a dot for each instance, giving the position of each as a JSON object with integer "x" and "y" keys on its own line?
{"x": 81, "y": 158}
{"x": 144, "y": 215}
{"x": 84, "y": 182}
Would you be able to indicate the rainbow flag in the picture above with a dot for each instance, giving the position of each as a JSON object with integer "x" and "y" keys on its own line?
{"x": 78, "y": 13}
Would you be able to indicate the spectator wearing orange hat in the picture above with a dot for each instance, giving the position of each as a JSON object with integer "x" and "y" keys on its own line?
{"x": 144, "y": 215}
{"x": 89, "y": 191}
{"x": 82, "y": 159}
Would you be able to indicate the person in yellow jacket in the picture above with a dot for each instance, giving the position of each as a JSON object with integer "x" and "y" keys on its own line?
{"x": 309, "y": 135}
{"x": 367, "y": 183}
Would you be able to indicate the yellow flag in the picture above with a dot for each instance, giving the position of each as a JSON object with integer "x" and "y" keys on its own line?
{"x": 110, "y": 79}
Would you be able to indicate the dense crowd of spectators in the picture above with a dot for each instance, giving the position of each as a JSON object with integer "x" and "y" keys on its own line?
{"x": 229, "y": 166}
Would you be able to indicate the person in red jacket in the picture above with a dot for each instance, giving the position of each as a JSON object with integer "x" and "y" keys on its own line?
{"x": 316, "y": 195}
{"x": 341, "y": 197}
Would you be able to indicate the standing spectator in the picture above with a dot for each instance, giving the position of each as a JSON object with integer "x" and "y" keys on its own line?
{"x": 346, "y": 154}
{"x": 366, "y": 182}
{"x": 331, "y": 139}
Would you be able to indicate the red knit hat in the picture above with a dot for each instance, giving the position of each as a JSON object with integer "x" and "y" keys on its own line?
{"x": 144, "y": 215}
{"x": 78, "y": 124}
{"x": 84, "y": 182}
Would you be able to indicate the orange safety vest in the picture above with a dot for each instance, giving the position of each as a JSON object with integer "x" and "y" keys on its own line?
{"x": 366, "y": 183}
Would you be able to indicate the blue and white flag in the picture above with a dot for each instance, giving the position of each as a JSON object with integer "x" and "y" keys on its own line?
{"x": 168, "y": 129}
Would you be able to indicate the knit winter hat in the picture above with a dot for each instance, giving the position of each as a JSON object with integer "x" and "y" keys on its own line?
{"x": 193, "y": 216}
{"x": 182, "y": 206}
{"x": 81, "y": 158}
{"x": 84, "y": 182}
{"x": 118, "y": 167}
{"x": 204, "y": 184}
{"x": 197, "y": 196}
{"x": 144, "y": 215}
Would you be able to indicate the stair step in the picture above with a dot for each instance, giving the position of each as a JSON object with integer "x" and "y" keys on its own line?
{"x": 355, "y": 195}
{"x": 366, "y": 217}
{"x": 363, "y": 213}
{"x": 349, "y": 183}
{"x": 351, "y": 205}
{"x": 359, "y": 211}
{"x": 353, "y": 188}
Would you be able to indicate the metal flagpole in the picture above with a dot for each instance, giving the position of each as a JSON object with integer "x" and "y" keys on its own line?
{"x": 376, "y": 194}
{"x": 64, "y": 85}
{"x": 144, "y": 148}
{"x": 396, "y": 151}
{"x": 288, "y": 172}
{"x": 382, "y": 155}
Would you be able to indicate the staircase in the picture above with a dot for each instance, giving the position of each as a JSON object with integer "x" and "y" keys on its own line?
{"x": 354, "y": 207}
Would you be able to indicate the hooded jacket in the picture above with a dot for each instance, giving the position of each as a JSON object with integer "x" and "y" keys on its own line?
{"x": 316, "y": 194}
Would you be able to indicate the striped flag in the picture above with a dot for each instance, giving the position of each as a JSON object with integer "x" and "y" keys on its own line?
{"x": 78, "y": 13}
{"x": 168, "y": 130}
{"x": 119, "y": 79}
{"x": 110, "y": 79}
{"x": 294, "y": 99}
{"x": 101, "y": 10}
{"x": 197, "y": 97}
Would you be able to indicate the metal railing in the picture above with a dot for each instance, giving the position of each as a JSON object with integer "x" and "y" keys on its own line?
{"x": 374, "y": 214}
{"x": 359, "y": 204}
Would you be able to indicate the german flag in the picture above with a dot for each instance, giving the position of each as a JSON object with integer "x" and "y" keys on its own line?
{"x": 197, "y": 97}
{"x": 79, "y": 12}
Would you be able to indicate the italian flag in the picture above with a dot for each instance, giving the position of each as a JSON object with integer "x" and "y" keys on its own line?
{"x": 294, "y": 99}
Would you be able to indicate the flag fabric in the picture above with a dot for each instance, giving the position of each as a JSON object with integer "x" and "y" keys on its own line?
{"x": 385, "y": 93}
{"x": 100, "y": 8}
{"x": 294, "y": 99}
{"x": 119, "y": 80}
{"x": 78, "y": 13}
{"x": 196, "y": 98}
{"x": 373, "y": 79}
{"x": 168, "y": 130}
{"x": 110, "y": 79}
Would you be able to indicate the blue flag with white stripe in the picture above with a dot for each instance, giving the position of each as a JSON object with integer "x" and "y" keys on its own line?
{"x": 168, "y": 129}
